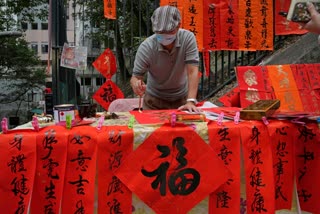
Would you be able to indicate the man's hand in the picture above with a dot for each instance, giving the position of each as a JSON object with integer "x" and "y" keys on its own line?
{"x": 314, "y": 24}
{"x": 190, "y": 106}
{"x": 138, "y": 86}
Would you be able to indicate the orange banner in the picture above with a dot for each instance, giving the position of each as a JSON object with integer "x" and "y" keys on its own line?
{"x": 115, "y": 143}
{"x": 110, "y": 9}
{"x": 50, "y": 170}
{"x": 256, "y": 25}
{"x": 282, "y": 143}
{"x": 258, "y": 164}
{"x": 79, "y": 184}
{"x": 193, "y": 19}
{"x": 307, "y": 144}
{"x": 17, "y": 170}
{"x": 285, "y": 87}
{"x": 226, "y": 143}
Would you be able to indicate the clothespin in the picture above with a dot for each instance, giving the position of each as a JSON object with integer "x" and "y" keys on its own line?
{"x": 297, "y": 120}
{"x": 100, "y": 122}
{"x": 265, "y": 121}
{"x": 35, "y": 123}
{"x": 173, "y": 119}
{"x": 236, "y": 118}
{"x": 4, "y": 125}
{"x": 131, "y": 122}
{"x": 193, "y": 126}
{"x": 68, "y": 121}
{"x": 220, "y": 118}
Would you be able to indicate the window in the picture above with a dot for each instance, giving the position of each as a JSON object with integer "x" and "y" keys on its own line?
{"x": 24, "y": 26}
{"x": 44, "y": 26}
{"x": 100, "y": 81}
{"x": 44, "y": 48}
{"x": 34, "y": 47}
{"x": 34, "y": 26}
{"x": 86, "y": 81}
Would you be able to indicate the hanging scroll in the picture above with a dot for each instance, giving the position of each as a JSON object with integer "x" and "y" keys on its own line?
{"x": 110, "y": 9}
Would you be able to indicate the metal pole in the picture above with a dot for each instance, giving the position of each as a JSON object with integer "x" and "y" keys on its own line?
{"x": 55, "y": 49}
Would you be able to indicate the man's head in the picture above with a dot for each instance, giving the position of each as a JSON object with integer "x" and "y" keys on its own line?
{"x": 165, "y": 19}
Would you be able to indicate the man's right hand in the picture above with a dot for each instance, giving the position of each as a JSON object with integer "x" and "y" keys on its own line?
{"x": 138, "y": 86}
{"x": 314, "y": 24}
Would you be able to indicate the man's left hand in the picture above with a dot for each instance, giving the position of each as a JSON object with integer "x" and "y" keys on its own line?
{"x": 190, "y": 106}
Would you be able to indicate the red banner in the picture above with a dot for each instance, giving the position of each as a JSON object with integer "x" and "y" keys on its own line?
{"x": 282, "y": 143}
{"x": 107, "y": 93}
{"x": 79, "y": 184}
{"x": 115, "y": 143}
{"x": 307, "y": 144}
{"x": 211, "y": 25}
{"x": 17, "y": 170}
{"x": 178, "y": 168}
{"x": 226, "y": 143}
{"x": 106, "y": 64}
{"x": 50, "y": 170}
{"x": 258, "y": 164}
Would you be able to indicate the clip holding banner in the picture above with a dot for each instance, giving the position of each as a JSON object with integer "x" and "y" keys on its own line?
{"x": 220, "y": 118}
{"x": 35, "y": 123}
{"x": 173, "y": 119}
{"x": 4, "y": 125}
{"x": 265, "y": 121}
{"x": 131, "y": 122}
{"x": 100, "y": 123}
{"x": 68, "y": 121}
{"x": 236, "y": 118}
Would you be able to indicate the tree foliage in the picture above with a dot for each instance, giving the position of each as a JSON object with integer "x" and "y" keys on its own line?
{"x": 20, "y": 67}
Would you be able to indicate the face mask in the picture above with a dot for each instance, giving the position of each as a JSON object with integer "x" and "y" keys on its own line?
{"x": 166, "y": 39}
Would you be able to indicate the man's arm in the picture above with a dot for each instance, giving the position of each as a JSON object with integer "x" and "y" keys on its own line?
{"x": 137, "y": 84}
{"x": 193, "y": 80}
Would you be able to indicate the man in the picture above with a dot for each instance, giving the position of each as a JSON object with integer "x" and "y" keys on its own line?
{"x": 171, "y": 59}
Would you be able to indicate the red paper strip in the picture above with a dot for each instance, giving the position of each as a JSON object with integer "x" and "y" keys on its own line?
{"x": 107, "y": 93}
{"x": 177, "y": 172}
{"x": 231, "y": 98}
{"x": 79, "y": 184}
{"x": 282, "y": 142}
{"x": 264, "y": 25}
{"x": 110, "y": 9}
{"x": 115, "y": 143}
{"x": 229, "y": 22}
{"x": 307, "y": 143}
{"x": 106, "y": 64}
{"x": 17, "y": 164}
{"x": 50, "y": 170}
{"x": 258, "y": 167}
{"x": 226, "y": 143}
{"x": 211, "y": 25}
{"x": 154, "y": 116}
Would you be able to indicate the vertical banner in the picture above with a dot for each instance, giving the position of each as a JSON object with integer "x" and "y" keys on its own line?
{"x": 265, "y": 25}
{"x": 225, "y": 142}
{"x": 115, "y": 143}
{"x": 193, "y": 19}
{"x": 307, "y": 156}
{"x": 229, "y": 24}
{"x": 285, "y": 87}
{"x": 17, "y": 170}
{"x": 110, "y": 9}
{"x": 313, "y": 71}
{"x": 211, "y": 25}
{"x": 79, "y": 185}
{"x": 258, "y": 163}
{"x": 106, "y": 64}
{"x": 282, "y": 142}
{"x": 50, "y": 170}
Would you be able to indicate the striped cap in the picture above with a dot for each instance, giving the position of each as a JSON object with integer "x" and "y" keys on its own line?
{"x": 165, "y": 19}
